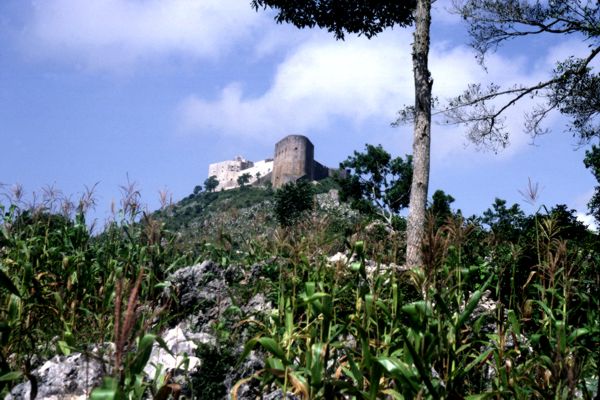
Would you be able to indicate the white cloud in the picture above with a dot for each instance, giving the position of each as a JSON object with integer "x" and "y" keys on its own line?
{"x": 323, "y": 79}
{"x": 118, "y": 33}
{"x": 441, "y": 11}
{"x": 571, "y": 46}
{"x": 357, "y": 80}
{"x": 580, "y": 202}
{"x": 588, "y": 220}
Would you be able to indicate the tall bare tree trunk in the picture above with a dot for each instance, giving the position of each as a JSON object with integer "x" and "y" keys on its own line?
{"x": 422, "y": 135}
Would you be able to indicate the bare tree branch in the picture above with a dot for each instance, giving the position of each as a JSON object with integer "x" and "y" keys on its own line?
{"x": 573, "y": 88}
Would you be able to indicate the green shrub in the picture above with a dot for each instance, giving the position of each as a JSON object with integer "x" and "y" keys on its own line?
{"x": 292, "y": 201}
{"x": 208, "y": 381}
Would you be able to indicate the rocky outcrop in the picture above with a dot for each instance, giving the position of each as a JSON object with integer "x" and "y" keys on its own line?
{"x": 179, "y": 353}
{"x": 372, "y": 268}
{"x": 63, "y": 377}
{"x": 201, "y": 296}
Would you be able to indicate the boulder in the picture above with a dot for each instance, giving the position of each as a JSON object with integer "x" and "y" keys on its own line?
{"x": 180, "y": 352}
{"x": 201, "y": 292}
{"x": 63, "y": 377}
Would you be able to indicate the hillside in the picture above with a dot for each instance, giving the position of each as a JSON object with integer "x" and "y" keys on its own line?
{"x": 241, "y": 214}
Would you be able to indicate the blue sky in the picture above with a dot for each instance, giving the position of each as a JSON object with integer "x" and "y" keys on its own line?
{"x": 98, "y": 90}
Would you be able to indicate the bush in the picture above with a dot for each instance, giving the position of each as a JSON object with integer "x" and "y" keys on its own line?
{"x": 292, "y": 201}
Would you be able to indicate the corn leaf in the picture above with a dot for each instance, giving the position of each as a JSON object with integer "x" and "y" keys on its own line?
{"x": 577, "y": 333}
{"x": 143, "y": 353}
{"x": 11, "y": 376}
{"x": 108, "y": 391}
{"x": 8, "y": 284}
{"x": 393, "y": 394}
{"x": 481, "y": 396}
{"x": 271, "y": 345}
{"x": 514, "y": 322}
{"x": 317, "y": 366}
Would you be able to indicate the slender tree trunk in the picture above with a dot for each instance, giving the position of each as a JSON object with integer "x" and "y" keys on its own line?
{"x": 422, "y": 135}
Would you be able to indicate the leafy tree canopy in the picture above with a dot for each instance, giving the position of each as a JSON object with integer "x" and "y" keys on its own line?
{"x": 573, "y": 87}
{"x": 592, "y": 162}
{"x": 364, "y": 17}
{"x": 376, "y": 182}
{"x": 211, "y": 183}
{"x": 441, "y": 206}
{"x": 506, "y": 222}
{"x": 243, "y": 179}
{"x": 569, "y": 227}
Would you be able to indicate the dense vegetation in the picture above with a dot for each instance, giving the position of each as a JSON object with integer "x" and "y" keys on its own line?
{"x": 506, "y": 304}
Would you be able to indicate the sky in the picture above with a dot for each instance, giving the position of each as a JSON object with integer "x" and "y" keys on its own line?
{"x": 97, "y": 92}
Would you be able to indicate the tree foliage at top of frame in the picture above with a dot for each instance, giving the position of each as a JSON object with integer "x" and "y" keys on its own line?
{"x": 363, "y": 17}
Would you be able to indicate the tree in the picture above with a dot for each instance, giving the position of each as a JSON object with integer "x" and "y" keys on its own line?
{"x": 370, "y": 17}
{"x": 243, "y": 179}
{"x": 573, "y": 87}
{"x": 197, "y": 189}
{"x": 292, "y": 201}
{"x": 441, "y": 207}
{"x": 592, "y": 162}
{"x": 507, "y": 224}
{"x": 211, "y": 183}
{"x": 363, "y": 17}
{"x": 376, "y": 183}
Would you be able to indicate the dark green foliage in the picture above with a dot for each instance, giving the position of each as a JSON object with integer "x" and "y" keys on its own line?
{"x": 376, "y": 183}
{"x": 292, "y": 201}
{"x": 46, "y": 257}
{"x": 424, "y": 333}
{"x": 577, "y": 94}
{"x": 243, "y": 179}
{"x": 208, "y": 381}
{"x": 211, "y": 183}
{"x": 246, "y": 215}
{"x": 520, "y": 242}
{"x": 363, "y": 17}
{"x": 441, "y": 206}
{"x": 62, "y": 286}
{"x": 506, "y": 223}
{"x": 592, "y": 162}
{"x": 571, "y": 228}
{"x": 197, "y": 189}
{"x": 202, "y": 208}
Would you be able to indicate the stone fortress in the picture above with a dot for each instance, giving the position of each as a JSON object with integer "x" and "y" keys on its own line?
{"x": 293, "y": 159}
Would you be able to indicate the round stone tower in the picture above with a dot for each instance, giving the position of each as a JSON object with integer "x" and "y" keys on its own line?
{"x": 294, "y": 155}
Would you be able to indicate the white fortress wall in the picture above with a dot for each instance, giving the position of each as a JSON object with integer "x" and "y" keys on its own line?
{"x": 262, "y": 167}
{"x": 228, "y": 171}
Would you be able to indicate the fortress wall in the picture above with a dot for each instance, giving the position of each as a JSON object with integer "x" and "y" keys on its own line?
{"x": 228, "y": 171}
{"x": 263, "y": 167}
{"x": 294, "y": 157}
{"x": 320, "y": 171}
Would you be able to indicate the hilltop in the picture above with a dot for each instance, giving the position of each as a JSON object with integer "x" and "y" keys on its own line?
{"x": 244, "y": 214}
